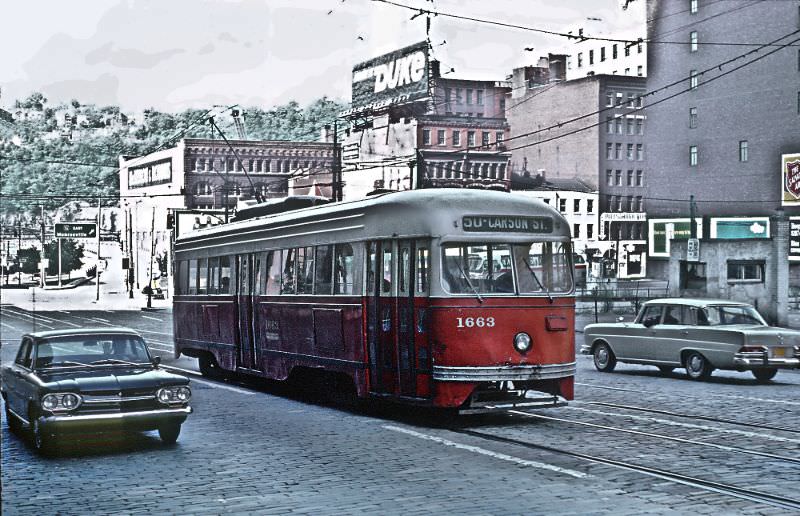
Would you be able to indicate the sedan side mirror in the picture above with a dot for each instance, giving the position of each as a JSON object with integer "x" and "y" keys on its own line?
{"x": 156, "y": 360}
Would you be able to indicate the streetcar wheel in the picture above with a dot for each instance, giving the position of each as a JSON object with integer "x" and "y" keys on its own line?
{"x": 697, "y": 367}
{"x": 604, "y": 359}
{"x": 209, "y": 366}
{"x": 764, "y": 375}
{"x": 169, "y": 433}
{"x": 665, "y": 369}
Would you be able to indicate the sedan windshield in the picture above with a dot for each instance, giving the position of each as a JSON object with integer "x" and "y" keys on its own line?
{"x": 494, "y": 268}
{"x": 721, "y": 315}
{"x": 90, "y": 350}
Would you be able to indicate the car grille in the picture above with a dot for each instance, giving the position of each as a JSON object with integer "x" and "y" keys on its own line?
{"x": 113, "y": 402}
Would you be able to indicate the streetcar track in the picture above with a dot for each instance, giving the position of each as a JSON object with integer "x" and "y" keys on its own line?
{"x": 707, "y": 485}
{"x": 733, "y": 449}
{"x": 705, "y": 395}
{"x": 693, "y": 416}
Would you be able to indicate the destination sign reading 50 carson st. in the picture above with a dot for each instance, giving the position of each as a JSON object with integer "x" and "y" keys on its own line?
{"x": 506, "y": 224}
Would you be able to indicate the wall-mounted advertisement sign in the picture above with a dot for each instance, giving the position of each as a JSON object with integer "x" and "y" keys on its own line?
{"x": 732, "y": 228}
{"x": 662, "y": 231}
{"x": 632, "y": 259}
{"x": 794, "y": 239}
{"x": 619, "y": 217}
{"x": 190, "y": 220}
{"x": 790, "y": 179}
{"x": 392, "y": 78}
{"x": 156, "y": 173}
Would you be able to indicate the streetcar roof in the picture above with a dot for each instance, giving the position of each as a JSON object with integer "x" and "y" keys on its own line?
{"x": 425, "y": 212}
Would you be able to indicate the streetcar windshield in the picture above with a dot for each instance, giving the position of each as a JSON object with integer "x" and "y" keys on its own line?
{"x": 495, "y": 268}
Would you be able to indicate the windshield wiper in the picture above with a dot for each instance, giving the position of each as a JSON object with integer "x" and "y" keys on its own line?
{"x": 535, "y": 277}
{"x": 68, "y": 363}
{"x": 114, "y": 361}
{"x": 466, "y": 277}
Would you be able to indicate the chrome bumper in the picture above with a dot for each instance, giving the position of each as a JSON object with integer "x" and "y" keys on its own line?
{"x": 751, "y": 360}
{"x": 143, "y": 420}
{"x": 503, "y": 373}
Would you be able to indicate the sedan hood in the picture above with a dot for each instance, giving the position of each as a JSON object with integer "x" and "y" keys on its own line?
{"x": 109, "y": 379}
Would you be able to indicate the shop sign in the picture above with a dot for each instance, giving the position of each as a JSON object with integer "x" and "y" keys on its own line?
{"x": 662, "y": 231}
{"x": 733, "y": 228}
{"x": 790, "y": 179}
{"x": 794, "y": 239}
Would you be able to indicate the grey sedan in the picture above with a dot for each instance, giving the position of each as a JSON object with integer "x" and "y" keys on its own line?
{"x": 698, "y": 334}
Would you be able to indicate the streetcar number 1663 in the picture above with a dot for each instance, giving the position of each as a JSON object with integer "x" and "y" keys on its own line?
{"x": 471, "y": 322}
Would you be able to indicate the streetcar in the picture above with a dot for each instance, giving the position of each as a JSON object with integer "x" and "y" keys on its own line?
{"x": 379, "y": 293}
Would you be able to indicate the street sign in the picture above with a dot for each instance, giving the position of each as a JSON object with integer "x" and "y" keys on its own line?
{"x": 693, "y": 250}
{"x": 76, "y": 230}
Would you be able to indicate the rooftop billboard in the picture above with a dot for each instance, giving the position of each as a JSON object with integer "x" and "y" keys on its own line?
{"x": 397, "y": 77}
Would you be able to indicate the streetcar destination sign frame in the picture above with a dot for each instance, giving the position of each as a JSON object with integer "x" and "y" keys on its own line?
{"x": 506, "y": 224}
{"x": 76, "y": 230}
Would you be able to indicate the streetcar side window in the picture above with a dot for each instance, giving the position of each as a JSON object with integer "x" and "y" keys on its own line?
{"x": 258, "y": 274}
{"x": 202, "y": 275}
{"x": 224, "y": 275}
{"x": 192, "y": 277}
{"x": 423, "y": 269}
{"x": 344, "y": 268}
{"x": 274, "y": 274}
{"x": 213, "y": 275}
{"x": 305, "y": 270}
{"x": 288, "y": 277}
{"x": 323, "y": 275}
{"x": 182, "y": 281}
{"x": 388, "y": 268}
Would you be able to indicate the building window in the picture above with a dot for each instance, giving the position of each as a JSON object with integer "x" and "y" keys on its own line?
{"x": 499, "y": 137}
{"x": 562, "y": 205}
{"x": 609, "y": 99}
{"x": 693, "y": 79}
{"x": 640, "y": 126}
{"x": 485, "y": 137}
{"x": 602, "y": 54}
{"x": 640, "y": 100}
{"x": 456, "y": 138}
{"x": 580, "y": 59}
{"x": 630, "y": 178}
{"x": 631, "y": 100}
{"x": 640, "y": 205}
{"x": 609, "y": 125}
{"x": 630, "y": 152}
{"x": 693, "y": 6}
{"x": 609, "y": 177}
{"x": 618, "y": 122}
{"x": 627, "y": 49}
{"x": 469, "y": 96}
{"x": 693, "y": 41}
{"x": 441, "y": 138}
{"x": 743, "y": 151}
{"x": 576, "y": 231}
{"x": 627, "y": 71}
{"x": 479, "y": 97}
{"x": 589, "y": 231}
{"x": 591, "y": 57}
{"x": 426, "y": 137}
{"x": 692, "y": 117}
{"x": 620, "y": 200}
{"x": 618, "y": 151}
{"x": 639, "y": 48}
{"x": 471, "y": 138}
{"x": 752, "y": 271}
{"x": 629, "y": 123}
{"x": 589, "y": 205}
{"x": 693, "y": 275}
{"x": 618, "y": 176}
{"x": 458, "y": 96}
{"x": 609, "y": 151}
{"x": 619, "y": 98}
{"x": 614, "y": 51}
{"x": 693, "y": 155}
{"x": 639, "y": 152}
{"x": 576, "y": 206}
{"x": 639, "y": 178}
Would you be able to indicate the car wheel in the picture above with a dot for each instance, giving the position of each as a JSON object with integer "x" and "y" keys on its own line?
{"x": 209, "y": 366}
{"x": 169, "y": 433}
{"x": 665, "y": 369}
{"x": 764, "y": 375}
{"x": 604, "y": 359}
{"x": 697, "y": 367}
{"x": 42, "y": 441}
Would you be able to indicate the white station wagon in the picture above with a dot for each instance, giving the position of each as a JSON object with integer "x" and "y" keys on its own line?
{"x": 698, "y": 334}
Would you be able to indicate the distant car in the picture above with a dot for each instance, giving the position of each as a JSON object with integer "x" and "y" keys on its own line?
{"x": 74, "y": 381}
{"x": 698, "y": 334}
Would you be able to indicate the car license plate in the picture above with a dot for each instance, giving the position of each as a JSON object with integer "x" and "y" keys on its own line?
{"x": 778, "y": 352}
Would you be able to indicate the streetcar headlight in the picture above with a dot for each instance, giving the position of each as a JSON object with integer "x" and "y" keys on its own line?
{"x": 522, "y": 342}
{"x": 176, "y": 394}
{"x": 59, "y": 401}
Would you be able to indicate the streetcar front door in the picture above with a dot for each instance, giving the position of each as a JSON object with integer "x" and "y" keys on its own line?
{"x": 406, "y": 356}
{"x": 247, "y": 270}
{"x": 381, "y": 317}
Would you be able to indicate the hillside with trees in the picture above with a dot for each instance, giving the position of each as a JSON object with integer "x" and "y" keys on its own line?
{"x": 55, "y": 153}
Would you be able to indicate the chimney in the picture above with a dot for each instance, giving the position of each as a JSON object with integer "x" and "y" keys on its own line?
{"x": 326, "y": 136}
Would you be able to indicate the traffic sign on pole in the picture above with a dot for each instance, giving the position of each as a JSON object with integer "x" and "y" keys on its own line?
{"x": 76, "y": 230}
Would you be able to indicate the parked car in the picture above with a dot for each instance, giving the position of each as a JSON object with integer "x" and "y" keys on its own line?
{"x": 67, "y": 382}
{"x": 698, "y": 334}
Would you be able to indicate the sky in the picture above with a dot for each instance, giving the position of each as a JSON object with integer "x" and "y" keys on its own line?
{"x": 175, "y": 54}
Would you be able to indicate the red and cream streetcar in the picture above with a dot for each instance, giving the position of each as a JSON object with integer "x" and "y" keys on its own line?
{"x": 446, "y": 298}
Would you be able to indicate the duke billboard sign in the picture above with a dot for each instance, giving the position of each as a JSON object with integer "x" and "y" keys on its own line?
{"x": 392, "y": 78}
{"x": 76, "y": 230}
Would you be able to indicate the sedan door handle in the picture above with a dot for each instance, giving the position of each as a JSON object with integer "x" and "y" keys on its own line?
{"x": 685, "y": 332}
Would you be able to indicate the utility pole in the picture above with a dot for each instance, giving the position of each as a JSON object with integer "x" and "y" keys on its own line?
{"x": 152, "y": 252}
{"x": 97, "y": 266}
{"x": 130, "y": 254}
{"x": 337, "y": 164}
{"x": 19, "y": 248}
{"x": 692, "y": 225}
{"x": 43, "y": 273}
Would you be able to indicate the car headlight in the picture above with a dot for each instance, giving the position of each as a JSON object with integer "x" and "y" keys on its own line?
{"x": 522, "y": 342}
{"x": 176, "y": 394}
{"x": 61, "y": 401}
